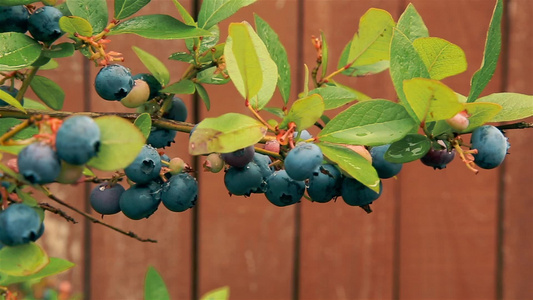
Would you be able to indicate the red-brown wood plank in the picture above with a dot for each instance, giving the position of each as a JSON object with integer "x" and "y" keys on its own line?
{"x": 517, "y": 264}
{"x": 246, "y": 243}
{"x": 345, "y": 253}
{"x": 119, "y": 263}
{"x": 448, "y": 217}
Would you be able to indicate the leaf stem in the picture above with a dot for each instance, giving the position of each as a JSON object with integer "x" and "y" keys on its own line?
{"x": 18, "y": 128}
{"x": 26, "y": 83}
{"x": 257, "y": 116}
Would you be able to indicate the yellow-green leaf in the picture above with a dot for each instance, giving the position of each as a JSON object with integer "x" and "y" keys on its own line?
{"x": 442, "y": 58}
{"x": 23, "y": 259}
{"x": 304, "y": 112}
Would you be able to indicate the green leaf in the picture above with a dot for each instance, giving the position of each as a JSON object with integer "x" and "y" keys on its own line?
{"x": 411, "y": 24}
{"x": 325, "y": 54}
{"x": 203, "y": 95}
{"x": 304, "y": 112}
{"x": 11, "y": 101}
{"x": 221, "y": 293}
{"x": 120, "y": 142}
{"x": 15, "y": 150}
{"x": 59, "y": 50}
{"x": 187, "y": 18}
{"x": 431, "y": 100}
{"x": 249, "y": 65}
{"x": 490, "y": 56}
{"x": 154, "y": 286}
{"x": 369, "y": 123}
{"x": 95, "y": 12}
{"x": 214, "y": 11}
{"x": 410, "y": 148}
{"x": 480, "y": 113}
{"x": 184, "y": 86}
{"x": 17, "y": 51}
{"x": 50, "y": 65}
{"x": 159, "y": 27}
{"x": 74, "y": 24}
{"x": 514, "y": 106}
{"x": 7, "y": 123}
{"x": 22, "y": 260}
{"x": 182, "y": 56}
{"x": 334, "y": 96}
{"x": 144, "y": 123}
{"x": 442, "y": 58}
{"x": 32, "y": 104}
{"x": 351, "y": 163}
{"x": 371, "y": 44}
{"x": 278, "y": 112}
{"x": 55, "y": 266}
{"x": 278, "y": 54}
{"x": 48, "y": 91}
{"x": 359, "y": 96}
{"x": 405, "y": 64}
{"x": 15, "y": 2}
{"x": 226, "y": 133}
{"x": 154, "y": 65}
{"x": 209, "y": 42}
{"x": 212, "y": 75}
{"x": 126, "y": 8}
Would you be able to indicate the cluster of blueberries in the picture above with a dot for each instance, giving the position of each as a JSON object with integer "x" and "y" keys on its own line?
{"x": 43, "y": 23}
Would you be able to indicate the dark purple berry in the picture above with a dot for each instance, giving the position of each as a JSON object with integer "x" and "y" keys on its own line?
{"x": 239, "y": 158}
{"x": 105, "y": 198}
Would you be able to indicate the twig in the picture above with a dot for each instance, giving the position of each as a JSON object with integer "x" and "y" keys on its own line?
{"x": 93, "y": 219}
{"x": 519, "y": 125}
{"x": 57, "y": 211}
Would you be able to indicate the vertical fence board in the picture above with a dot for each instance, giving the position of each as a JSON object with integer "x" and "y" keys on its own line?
{"x": 448, "y": 219}
{"x": 246, "y": 243}
{"x": 518, "y": 191}
{"x": 345, "y": 253}
{"x": 119, "y": 263}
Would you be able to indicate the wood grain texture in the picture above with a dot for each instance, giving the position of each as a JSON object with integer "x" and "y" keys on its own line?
{"x": 345, "y": 253}
{"x": 448, "y": 217}
{"x": 246, "y": 243}
{"x": 119, "y": 263}
{"x": 517, "y": 195}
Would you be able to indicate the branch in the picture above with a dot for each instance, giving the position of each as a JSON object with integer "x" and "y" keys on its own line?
{"x": 57, "y": 211}
{"x": 93, "y": 219}
{"x": 519, "y": 125}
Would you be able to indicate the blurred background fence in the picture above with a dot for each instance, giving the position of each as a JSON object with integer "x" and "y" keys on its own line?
{"x": 434, "y": 234}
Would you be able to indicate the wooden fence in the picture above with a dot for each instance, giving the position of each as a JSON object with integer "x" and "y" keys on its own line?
{"x": 434, "y": 234}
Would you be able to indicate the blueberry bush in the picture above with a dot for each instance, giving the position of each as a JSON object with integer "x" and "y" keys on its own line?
{"x": 267, "y": 151}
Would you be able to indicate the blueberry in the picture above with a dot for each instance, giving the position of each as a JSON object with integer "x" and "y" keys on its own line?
{"x": 325, "y": 184}
{"x": 305, "y": 135}
{"x": 78, "y": 140}
{"x": 105, "y": 198}
{"x": 438, "y": 158}
{"x": 140, "y": 201}
{"x": 282, "y": 190}
{"x": 11, "y": 91}
{"x": 39, "y": 163}
{"x": 303, "y": 160}
{"x": 239, "y": 158}
{"x": 43, "y": 24}
{"x": 245, "y": 180}
{"x": 263, "y": 162}
{"x": 145, "y": 167}
{"x": 14, "y": 18}
{"x": 161, "y": 138}
{"x": 384, "y": 168}
{"x": 139, "y": 94}
{"x": 180, "y": 192}
{"x": 357, "y": 194}
{"x": 177, "y": 111}
{"x": 19, "y": 224}
{"x": 113, "y": 82}
{"x": 491, "y": 145}
{"x": 152, "y": 82}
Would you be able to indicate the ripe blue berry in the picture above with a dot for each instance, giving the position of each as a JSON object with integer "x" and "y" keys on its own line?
{"x": 239, "y": 158}
{"x": 161, "y": 138}
{"x": 357, "y": 194}
{"x": 153, "y": 83}
{"x": 263, "y": 162}
{"x": 282, "y": 190}
{"x": 245, "y": 180}
{"x": 325, "y": 184}
{"x": 43, "y": 24}
{"x": 78, "y": 140}
{"x": 140, "y": 201}
{"x": 384, "y": 168}
{"x": 438, "y": 158}
{"x": 14, "y": 18}
{"x": 305, "y": 135}
{"x": 145, "y": 167}
{"x": 113, "y": 82}
{"x": 39, "y": 163}
{"x": 491, "y": 145}
{"x": 177, "y": 111}
{"x": 19, "y": 224}
{"x": 105, "y": 198}
{"x": 303, "y": 160}
{"x": 180, "y": 192}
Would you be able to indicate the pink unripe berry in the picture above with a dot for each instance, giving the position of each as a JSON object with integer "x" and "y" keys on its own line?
{"x": 176, "y": 165}
{"x": 213, "y": 163}
{"x": 459, "y": 122}
{"x": 138, "y": 95}
{"x": 272, "y": 146}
